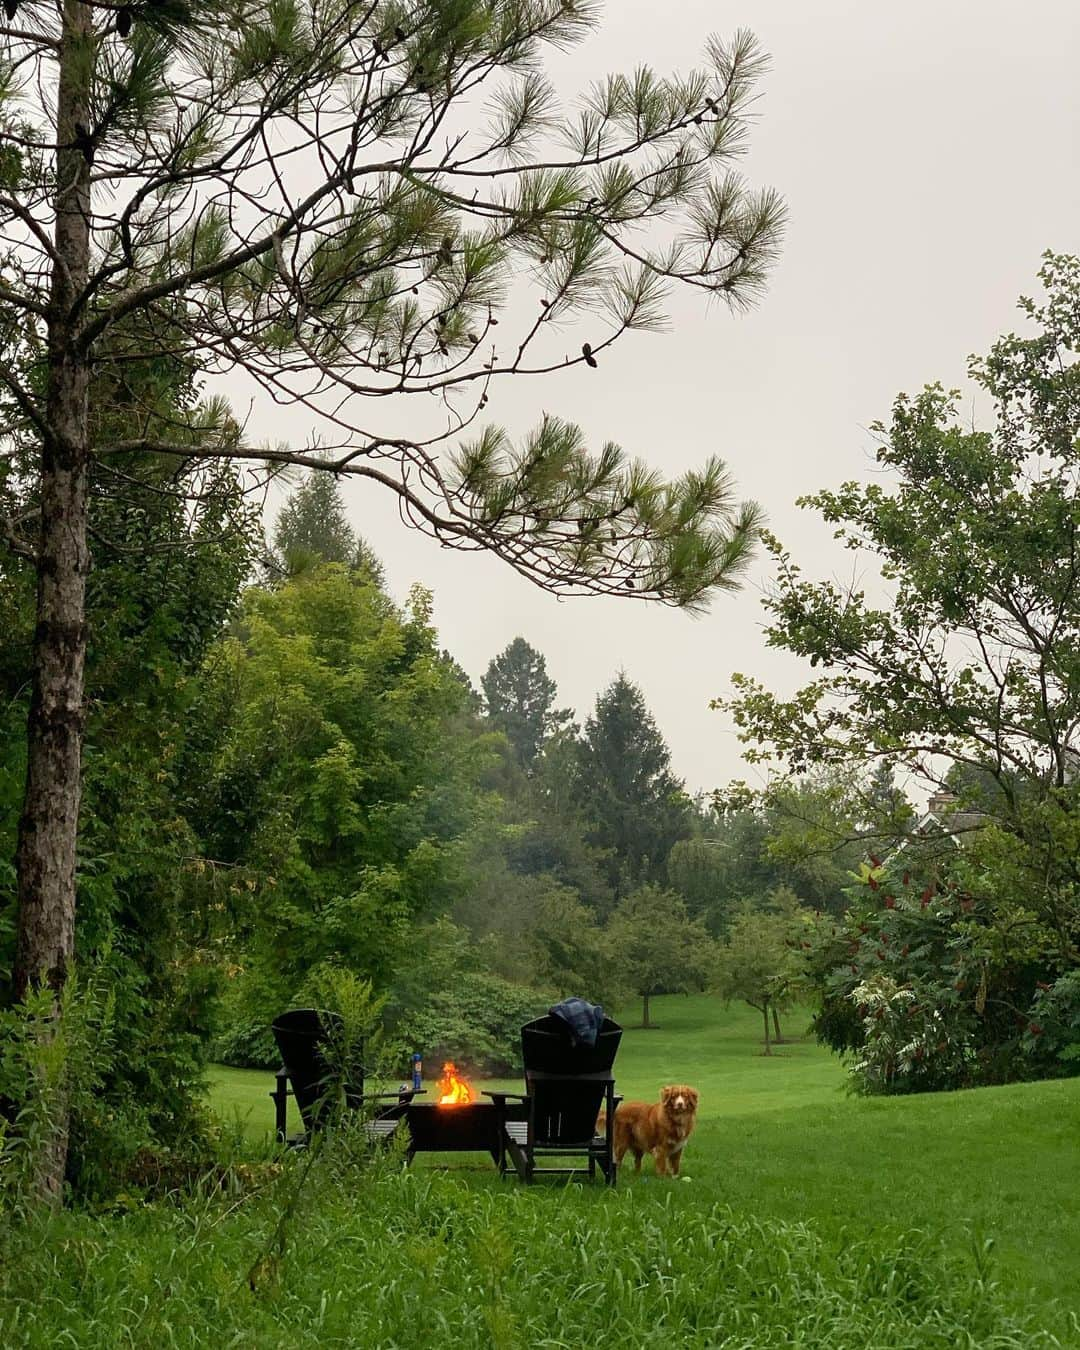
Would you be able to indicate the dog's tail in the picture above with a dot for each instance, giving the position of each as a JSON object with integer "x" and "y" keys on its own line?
{"x": 601, "y": 1123}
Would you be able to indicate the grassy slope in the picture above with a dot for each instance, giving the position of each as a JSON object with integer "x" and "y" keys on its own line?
{"x": 780, "y": 1137}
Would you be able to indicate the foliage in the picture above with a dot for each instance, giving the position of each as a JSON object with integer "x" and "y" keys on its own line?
{"x": 52, "y": 1062}
{"x": 725, "y": 863}
{"x": 390, "y": 276}
{"x": 343, "y": 785}
{"x": 571, "y": 951}
{"x": 964, "y": 671}
{"x": 241, "y": 1030}
{"x": 756, "y": 961}
{"x": 164, "y": 580}
{"x": 313, "y": 527}
{"x": 941, "y": 978}
{"x": 655, "y": 948}
{"x": 555, "y": 836}
{"x": 635, "y": 807}
{"x": 1054, "y": 1030}
{"x": 520, "y": 699}
{"x": 447, "y": 1003}
{"x": 821, "y": 824}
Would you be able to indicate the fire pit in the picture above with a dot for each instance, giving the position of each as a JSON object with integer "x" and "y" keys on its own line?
{"x": 455, "y": 1122}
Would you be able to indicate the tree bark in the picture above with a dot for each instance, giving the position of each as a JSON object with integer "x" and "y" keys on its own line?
{"x": 48, "y": 826}
{"x": 765, "y": 1019}
{"x": 645, "y": 1011}
{"x": 777, "y": 1039}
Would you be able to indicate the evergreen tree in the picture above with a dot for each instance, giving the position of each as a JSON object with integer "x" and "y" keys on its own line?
{"x": 313, "y": 527}
{"x": 635, "y": 806}
{"x": 520, "y": 697}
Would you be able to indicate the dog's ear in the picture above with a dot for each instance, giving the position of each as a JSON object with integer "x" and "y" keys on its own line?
{"x": 666, "y": 1093}
{"x": 694, "y": 1095}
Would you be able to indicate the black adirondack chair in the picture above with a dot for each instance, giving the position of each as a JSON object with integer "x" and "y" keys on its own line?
{"x": 302, "y": 1037}
{"x": 567, "y": 1084}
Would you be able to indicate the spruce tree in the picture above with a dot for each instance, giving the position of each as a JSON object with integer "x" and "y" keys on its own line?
{"x": 313, "y": 526}
{"x": 520, "y": 698}
{"x": 637, "y": 808}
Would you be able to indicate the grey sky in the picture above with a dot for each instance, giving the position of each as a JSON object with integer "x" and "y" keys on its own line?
{"x": 928, "y": 154}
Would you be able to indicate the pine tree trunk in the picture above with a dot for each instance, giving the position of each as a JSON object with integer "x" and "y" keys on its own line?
{"x": 49, "y": 824}
{"x": 765, "y": 1018}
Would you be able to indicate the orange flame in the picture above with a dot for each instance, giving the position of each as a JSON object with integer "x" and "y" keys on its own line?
{"x": 453, "y": 1090}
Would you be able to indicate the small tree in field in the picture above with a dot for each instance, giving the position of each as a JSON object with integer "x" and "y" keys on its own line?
{"x": 655, "y": 948}
{"x": 757, "y": 964}
{"x": 331, "y": 202}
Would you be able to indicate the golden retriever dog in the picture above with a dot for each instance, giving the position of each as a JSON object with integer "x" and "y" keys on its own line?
{"x": 661, "y": 1129}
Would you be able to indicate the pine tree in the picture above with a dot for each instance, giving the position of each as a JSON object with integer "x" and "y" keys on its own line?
{"x": 520, "y": 698}
{"x": 158, "y": 203}
{"x": 636, "y": 806}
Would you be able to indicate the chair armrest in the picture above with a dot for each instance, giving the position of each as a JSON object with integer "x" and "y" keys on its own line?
{"x": 280, "y": 1096}
{"x": 502, "y": 1096}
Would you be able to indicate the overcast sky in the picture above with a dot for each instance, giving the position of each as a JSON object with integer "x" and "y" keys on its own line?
{"x": 928, "y": 155}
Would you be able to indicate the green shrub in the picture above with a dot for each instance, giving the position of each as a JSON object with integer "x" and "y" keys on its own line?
{"x": 250, "y": 1000}
{"x": 1052, "y": 1036}
{"x": 476, "y": 1022}
{"x": 930, "y": 985}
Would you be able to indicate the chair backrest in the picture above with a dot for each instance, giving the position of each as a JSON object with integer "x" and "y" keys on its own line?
{"x": 547, "y": 1045}
{"x": 302, "y": 1036}
{"x": 564, "y": 1109}
{"x": 566, "y": 1080}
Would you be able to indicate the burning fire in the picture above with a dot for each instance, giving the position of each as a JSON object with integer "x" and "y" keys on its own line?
{"x": 453, "y": 1090}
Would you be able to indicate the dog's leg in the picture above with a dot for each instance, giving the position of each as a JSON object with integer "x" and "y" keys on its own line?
{"x": 674, "y": 1160}
{"x": 637, "y": 1160}
{"x": 660, "y": 1161}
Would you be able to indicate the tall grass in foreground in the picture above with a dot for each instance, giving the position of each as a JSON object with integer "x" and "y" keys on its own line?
{"x": 381, "y": 1257}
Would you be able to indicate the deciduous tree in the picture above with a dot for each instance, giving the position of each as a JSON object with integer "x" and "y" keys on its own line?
{"x": 757, "y": 964}
{"x": 655, "y": 947}
{"x": 964, "y": 668}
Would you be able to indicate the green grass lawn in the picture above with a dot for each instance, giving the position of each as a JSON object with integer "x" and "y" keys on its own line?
{"x": 780, "y": 1138}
